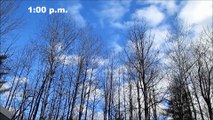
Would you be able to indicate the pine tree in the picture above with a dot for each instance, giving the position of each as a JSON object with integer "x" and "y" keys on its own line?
{"x": 179, "y": 104}
{"x": 2, "y": 72}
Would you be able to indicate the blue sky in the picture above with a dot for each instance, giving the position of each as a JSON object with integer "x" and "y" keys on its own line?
{"x": 111, "y": 19}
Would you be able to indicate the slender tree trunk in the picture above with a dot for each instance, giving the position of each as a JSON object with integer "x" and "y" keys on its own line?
{"x": 139, "y": 102}
{"x": 88, "y": 95}
{"x": 154, "y": 105}
{"x": 76, "y": 89}
{"x": 93, "y": 107}
{"x": 208, "y": 102}
{"x": 82, "y": 96}
{"x": 146, "y": 107}
{"x": 130, "y": 102}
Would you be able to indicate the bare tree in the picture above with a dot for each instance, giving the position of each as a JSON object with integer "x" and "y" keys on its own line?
{"x": 203, "y": 53}
{"x": 143, "y": 59}
{"x": 179, "y": 54}
{"x": 8, "y": 23}
{"x": 57, "y": 36}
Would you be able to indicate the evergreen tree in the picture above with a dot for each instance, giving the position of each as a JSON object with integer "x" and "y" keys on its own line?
{"x": 179, "y": 104}
{"x": 2, "y": 72}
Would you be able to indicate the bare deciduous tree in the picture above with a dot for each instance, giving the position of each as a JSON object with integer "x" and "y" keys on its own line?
{"x": 143, "y": 59}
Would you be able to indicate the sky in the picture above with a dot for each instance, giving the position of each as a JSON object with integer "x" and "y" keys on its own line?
{"x": 111, "y": 19}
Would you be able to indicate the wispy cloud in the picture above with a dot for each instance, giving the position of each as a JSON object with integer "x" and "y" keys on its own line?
{"x": 117, "y": 48}
{"x": 113, "y": 11}
{"x": 76, "y": 15}
{"x": 151, "y": 14}
{"x": 169, "y": 6}
{"x": 69, "y": 59}
{"x": 160, "y": 34}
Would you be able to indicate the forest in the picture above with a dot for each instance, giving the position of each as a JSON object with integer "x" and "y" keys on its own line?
{"x": 66, "y": 73}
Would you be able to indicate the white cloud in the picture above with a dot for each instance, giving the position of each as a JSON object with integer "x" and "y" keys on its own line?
{"x": 15, "y": 80}
{"x": 195, "y": 12}
{"x": 169, "y": 5}
{"x": 152, "y": 14}
{"x": 99, "y": 116}
{"x": 130, "y": 47}
{"x": 160, "y": 34}
{"x": 118, "y": 25}
{"x": 115, "y": 46}
{"x": 21, "y": 80}
{"x": 122, "y": 25}
{"x": 100, "y": 61}
{"x": 76, "y": 15}
{"x": 59, "y": 47}
{"x": 198, "y": 28}
{"x": 198, "y": 14}
{"x": 112, "y": 12}
{"x": 69, "y": 59}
